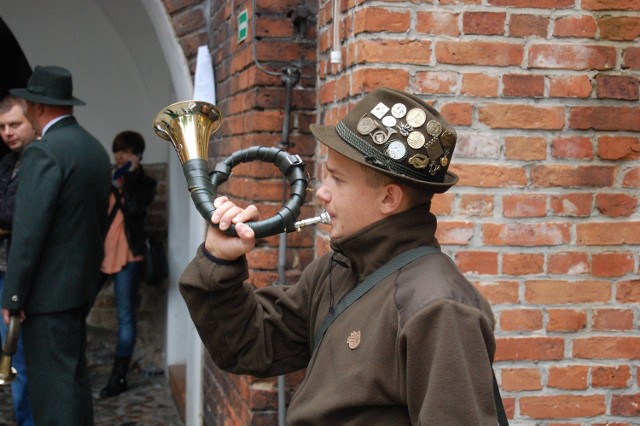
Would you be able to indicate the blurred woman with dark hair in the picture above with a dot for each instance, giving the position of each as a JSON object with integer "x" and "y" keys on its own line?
{"x": 132, "y": 192}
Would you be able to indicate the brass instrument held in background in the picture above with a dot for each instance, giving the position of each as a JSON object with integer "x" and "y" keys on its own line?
{"x": 189, "y": 125}
{"x": 7, "y": 372}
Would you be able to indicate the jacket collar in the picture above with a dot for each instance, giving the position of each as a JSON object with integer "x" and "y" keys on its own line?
{"x": 376, "y": 244}
{"x": 62, "y": 122}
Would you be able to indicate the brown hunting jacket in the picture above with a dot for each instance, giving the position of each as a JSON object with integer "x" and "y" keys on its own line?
{"x": 416, "y": 349}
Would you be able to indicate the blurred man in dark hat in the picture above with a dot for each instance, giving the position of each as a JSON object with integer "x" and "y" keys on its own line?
{"x": 388, "y": 329}
{"x": 59, "y": 227}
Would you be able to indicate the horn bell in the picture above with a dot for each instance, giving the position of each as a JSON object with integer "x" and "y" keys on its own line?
{"x": 188, "y": 125}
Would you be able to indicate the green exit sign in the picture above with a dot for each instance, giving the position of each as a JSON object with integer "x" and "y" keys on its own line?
{"x": 243, "y": 25}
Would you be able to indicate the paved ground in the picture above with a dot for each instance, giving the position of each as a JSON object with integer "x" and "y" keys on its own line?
{"x": 148, "y": 402}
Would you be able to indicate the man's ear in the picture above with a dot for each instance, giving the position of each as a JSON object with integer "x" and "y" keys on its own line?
{"x": 394, "y": 199}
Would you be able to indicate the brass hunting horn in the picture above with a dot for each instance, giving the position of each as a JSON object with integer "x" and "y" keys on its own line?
{"x": 7, "y": 372}
{"x": 188, "y": 125}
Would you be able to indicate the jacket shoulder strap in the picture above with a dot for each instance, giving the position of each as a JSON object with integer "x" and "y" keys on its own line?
{"x": 370, "y": 282}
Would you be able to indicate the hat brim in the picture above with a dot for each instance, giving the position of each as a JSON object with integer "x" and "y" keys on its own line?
{"x": 330, "y": 137}
{"x": 39, "y": 99}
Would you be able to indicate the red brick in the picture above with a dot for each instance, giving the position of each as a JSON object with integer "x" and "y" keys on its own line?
{"x": 188, "y": 21}
{"x": 614, "y": 264}
{"x": 475, "y": 205}
{"x": 572, "y": 147}
{"x": 578, "y": 86}
{"x": 612, "y": 319}
{"x": 575, "y": 26}
{"x": 522, "y": 263}
{"x": 631, "y": 58}
{"x": 526, "y": 148}
{"x": 605, "y": 118}
{"x": 568, "y": 263}
{"x": 502, "y": 116}
{"x": 610, "y": 4}
{"x": 626, "y": 405}
{"x": 562, "y": 406}
{"x": 521, "y": 320}
{"x": 566, "y": 320}
{"x": 489, "y": 176}
{"x": 605, "y": 347}
{"x": 619, "y": 28}
{"x": 528, "y": 25}
{"x": 617, "y": 87}
{"x": 500, "y": 292}
{"x": 571, "y": 205}
{"x": 631, "y": 178}
{"x": 376, "y": 19}
{"x": 396, "y": 51}
{"x": 610, "y": 377}
{"x": 607, "y": 233}
{"x": 524, "y": 205}
{"x": 442, "y": 204}
{"x": 440, "y": 82}
{"x": 526, "y": 234}
{"x": 173, "y": 6}
{"x": 481, "y": 85}
{"x": 520, "y": 379}
{"x": 458, "y": 114}
{"x": 437, "y": 23}
{"x": 544, "y": 4}
{"x": 522, "y": 85}
{"x": 479, "y": 53}
{"x": 573, "y": 377}
{"x": 485, "y": 23}
{"x": 616, "y": 205}
{"x": 573, "y": 176}
{"x": 529, "y": 348}
{"x": 628, "y": 291}
{"x": 477, "y": 262}
{"x": 619, "y": 148}
{"x": 557, "y": 291}
{"x": 459, "y": 233}
{"x": 572, "y": 57}
{"x": 368, "y": 79}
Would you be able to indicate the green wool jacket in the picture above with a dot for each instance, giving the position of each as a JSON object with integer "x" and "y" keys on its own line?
{"x": 416, "y": 349}
{"x": 59, "y": 223}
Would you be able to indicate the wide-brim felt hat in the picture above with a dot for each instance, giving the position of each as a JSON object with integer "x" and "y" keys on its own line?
{"x": 49, "y": 85}
{"x": 397, "y": 134}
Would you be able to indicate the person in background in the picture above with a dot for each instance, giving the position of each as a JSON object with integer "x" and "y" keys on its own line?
{"x": 59, "y": 226}
{"x": 132, "y": 192}
{"x": 417, "y": 347}
{"x": 17, "y": 133}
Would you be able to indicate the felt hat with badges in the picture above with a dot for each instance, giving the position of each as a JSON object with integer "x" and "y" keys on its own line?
{"x": 49, "y": 85}
{"x": 397, "y": 134}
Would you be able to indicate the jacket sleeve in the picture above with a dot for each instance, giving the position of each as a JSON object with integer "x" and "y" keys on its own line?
{"x": 35, "y": 206}
{"x": 448, "y": 348}
{"x": 139, "y": 191}
{"x": 246, "y": 331}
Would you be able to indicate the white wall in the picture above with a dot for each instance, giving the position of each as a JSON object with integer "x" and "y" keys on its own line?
{"x": 112, "y": 50}
{"x": 127, "y": 66}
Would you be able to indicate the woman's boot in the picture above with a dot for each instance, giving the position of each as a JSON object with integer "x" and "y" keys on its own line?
{"x": 118, "y": 380}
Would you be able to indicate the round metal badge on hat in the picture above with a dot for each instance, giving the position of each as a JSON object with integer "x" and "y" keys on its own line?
{"x": 386, "y": 131}
{"x": 416, "y": 117}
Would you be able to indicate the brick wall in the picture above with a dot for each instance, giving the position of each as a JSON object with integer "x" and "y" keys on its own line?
{"x": 251, "y": 94}
{"x": 544, "y": 221}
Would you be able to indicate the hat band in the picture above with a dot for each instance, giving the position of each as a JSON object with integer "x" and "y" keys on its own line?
{"x": 374, "y": 156}
{"x": 48, "y": 91}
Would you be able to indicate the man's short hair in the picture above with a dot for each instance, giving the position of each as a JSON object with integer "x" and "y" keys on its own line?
{"x": 376, "y": 179}
{"x": 9, "y": 101}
